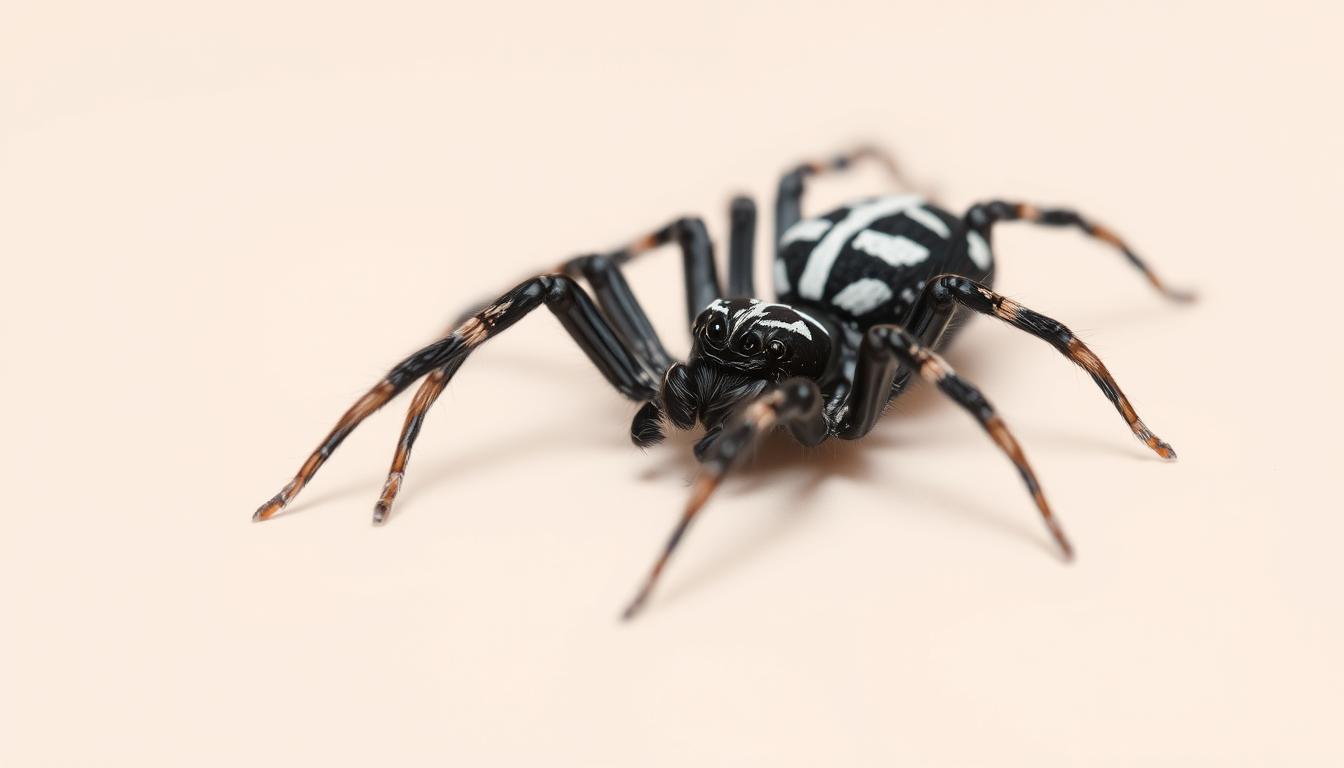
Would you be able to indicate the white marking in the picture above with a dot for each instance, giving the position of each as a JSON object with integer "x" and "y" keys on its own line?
{"x": 797, "y": 326}
{"x": 757, "y": 309}
{"x": 979, "y": 249}
{"x": 807, "y": 229}
{"x": 781, "y": 277}
{"x": 718, "y": 305}
{"x": 813, "y": 281}
{"x": 896, "y": 250}
{"x": 811, "y": 320}
{"x": 930, "y": 221}
{"x": 862, "y": 296}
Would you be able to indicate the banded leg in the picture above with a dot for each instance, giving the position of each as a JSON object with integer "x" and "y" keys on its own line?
{"x": 943, "y": 294}
{"x": 983, "y": 216}
{"x": 400, "y": 377}
{"x": 886, "y": 348}
{"x": 795, "y": 403}
{"x": 441, "y": 359}
{"x": 613, "y": 292}
{"x": 789, "y": 198}
{"x": 623, "y": 311}
{"x": 618, "y": 301}
{"x": 697, "y": 252}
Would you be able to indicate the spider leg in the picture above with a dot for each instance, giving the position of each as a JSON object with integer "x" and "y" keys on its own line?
{"x": 789, "y": 197}
{"x": 741, "y": 247}
{"x": 697, "y": 251}
{"x": 627, "y": 319}
{"x": 396, "y": 380}
{"x": 795, "y": 403}
{"x": 619, "y": 304}
{"x": 603, "y": 273}
{"x": 885, "y": 348}
{"x": 441, "y": 359}
{"x": 425, "y": 396}
{"x": 617, "y": 300}
{"x": 983, "y": 216}
{"x": 943, "y": 294}
{"x": 622, "y": 309}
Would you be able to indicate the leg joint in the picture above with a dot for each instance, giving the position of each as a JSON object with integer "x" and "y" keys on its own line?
{"x": 982, "y": 215}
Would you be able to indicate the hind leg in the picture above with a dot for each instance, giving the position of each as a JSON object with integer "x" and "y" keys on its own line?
{"x": 789, "y": 198}
{"x": 982, "y": 217}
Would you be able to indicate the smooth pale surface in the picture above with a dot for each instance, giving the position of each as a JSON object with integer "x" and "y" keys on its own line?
{"x": 219, "y": 227}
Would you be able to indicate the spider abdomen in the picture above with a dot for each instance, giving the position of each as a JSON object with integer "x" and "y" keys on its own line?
{"x": 866, "y": 262}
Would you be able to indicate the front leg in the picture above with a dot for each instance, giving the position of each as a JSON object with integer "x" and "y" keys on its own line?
{"x": 795, "y": 403}
{"x": 982, "y": 217}
{"x": 885, "y": 349}
{"x": 440, "y": 360}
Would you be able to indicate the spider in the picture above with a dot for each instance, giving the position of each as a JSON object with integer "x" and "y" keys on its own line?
{"x": 865, "y": 294}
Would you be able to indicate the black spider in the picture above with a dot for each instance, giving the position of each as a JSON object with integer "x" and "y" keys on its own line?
{"x": 866, "y": 292}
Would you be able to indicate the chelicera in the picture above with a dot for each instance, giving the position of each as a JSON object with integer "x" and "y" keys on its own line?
{"x": 864, "y": 295}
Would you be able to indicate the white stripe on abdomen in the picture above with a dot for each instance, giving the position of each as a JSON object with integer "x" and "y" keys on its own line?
{"x": 812, "y": 283}
{"x": 862, "y": 296}
{"x": 896, "y": 250}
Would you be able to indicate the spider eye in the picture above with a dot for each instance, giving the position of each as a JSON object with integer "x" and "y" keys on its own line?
{"x": 777, "y": 350}
{"x": 716, "y": 330}
{"x": 750, "y": 343}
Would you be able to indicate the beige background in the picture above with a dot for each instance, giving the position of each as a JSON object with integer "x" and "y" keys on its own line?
{"x": 219, "y": 225}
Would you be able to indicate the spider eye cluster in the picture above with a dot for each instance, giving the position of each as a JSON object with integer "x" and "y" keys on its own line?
{"x": 752, "y": 343}
{"x": 766, "y": 339}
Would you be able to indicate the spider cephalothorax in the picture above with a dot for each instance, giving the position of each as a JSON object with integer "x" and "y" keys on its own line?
{"x": 739, "y": 347}
{"x": 866, "y": 293}
{"x": 772, "y": 341}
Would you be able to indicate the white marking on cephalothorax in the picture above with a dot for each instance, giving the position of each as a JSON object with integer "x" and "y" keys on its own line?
{"x": 781, "y": 277}
{"x": 814, "y": 321}
{"x": 862, "y": 296}
{"x": 929, "y": 221}
{"x": 896, "y": 250}
{"x": 813, "y": 281}
{"x": 718, "y": 305}
{"x": 757, "y": 309}
{"x": 807, "y": 229}
{"x": 760, "y": 308}
{"x": 746, "y": 312}
{"x": 810, "y": 319}
{"x": 979, "y": 249}
{"x": 797, "y": 326}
